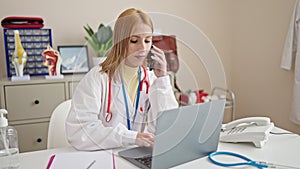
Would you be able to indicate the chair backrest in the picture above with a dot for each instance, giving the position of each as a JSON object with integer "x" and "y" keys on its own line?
{"x": 56, "y": 132}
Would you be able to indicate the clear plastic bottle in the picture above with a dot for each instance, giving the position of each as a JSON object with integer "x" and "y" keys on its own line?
{"x": 9, "y": 150}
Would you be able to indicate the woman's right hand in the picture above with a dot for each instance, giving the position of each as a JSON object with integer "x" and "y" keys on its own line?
{"x": 160, "y": 64}
{"x": 144, "y": 139}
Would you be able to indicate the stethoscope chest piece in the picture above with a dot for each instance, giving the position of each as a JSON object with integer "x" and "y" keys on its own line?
{"x": 108, "y": 117}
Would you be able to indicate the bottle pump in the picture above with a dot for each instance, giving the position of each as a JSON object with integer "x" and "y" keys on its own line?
{"x": 9, "y": 150}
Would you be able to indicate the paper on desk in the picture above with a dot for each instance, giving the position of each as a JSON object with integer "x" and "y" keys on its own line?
{"x": 82, "y": 160}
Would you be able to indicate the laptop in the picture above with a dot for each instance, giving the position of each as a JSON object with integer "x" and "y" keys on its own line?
{"x": 182, "y": 134}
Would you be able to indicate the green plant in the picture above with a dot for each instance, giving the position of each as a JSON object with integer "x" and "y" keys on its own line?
{"x": 101, "y": 40}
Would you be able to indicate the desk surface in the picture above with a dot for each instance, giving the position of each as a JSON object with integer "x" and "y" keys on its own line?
{"x": 280, "y": 149}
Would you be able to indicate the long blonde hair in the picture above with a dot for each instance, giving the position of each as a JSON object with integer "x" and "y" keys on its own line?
{"x": 124, "y": 25}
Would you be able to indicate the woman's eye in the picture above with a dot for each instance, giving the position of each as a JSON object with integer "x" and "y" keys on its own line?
{"x": 133, "y": 41}
{"x": 147, "y": 41}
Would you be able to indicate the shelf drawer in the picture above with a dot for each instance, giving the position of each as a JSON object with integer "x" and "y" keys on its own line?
{"x": 32, "y": 137}
{"x": 33, "y": 101}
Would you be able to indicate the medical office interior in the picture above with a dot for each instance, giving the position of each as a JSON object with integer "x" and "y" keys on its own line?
{"x": 248, "y": 35}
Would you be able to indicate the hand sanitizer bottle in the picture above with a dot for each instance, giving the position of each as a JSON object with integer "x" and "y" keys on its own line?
{"x": 9, "y": 150}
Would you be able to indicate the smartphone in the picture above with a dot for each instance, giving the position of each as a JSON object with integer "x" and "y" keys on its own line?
{"x": 150, "y": 61}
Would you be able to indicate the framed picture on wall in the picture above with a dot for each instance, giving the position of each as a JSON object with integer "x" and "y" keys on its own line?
{"x": 74, "y": 59}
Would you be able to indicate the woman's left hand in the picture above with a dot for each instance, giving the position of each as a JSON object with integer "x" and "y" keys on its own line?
{"x": 160, "y": 65}
{"x": 145, "y": 139}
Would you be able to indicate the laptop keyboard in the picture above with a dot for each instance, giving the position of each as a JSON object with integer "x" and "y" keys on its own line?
{"x": 145, "y": 160}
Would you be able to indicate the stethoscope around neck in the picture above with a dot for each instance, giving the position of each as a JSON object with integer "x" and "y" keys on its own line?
{"x": 109, "y": 115}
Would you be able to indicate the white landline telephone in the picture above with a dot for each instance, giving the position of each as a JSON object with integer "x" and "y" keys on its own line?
{"x": 250, "y": 129}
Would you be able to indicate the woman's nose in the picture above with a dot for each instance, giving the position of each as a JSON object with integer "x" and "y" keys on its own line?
{"x": 143, "y": 46}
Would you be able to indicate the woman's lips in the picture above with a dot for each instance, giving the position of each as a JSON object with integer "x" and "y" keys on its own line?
{"x": 140, "y": 56}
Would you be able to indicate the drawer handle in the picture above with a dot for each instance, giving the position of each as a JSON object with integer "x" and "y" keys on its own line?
{"x": 36, "y": 102}
{"x": 39, "y": 140}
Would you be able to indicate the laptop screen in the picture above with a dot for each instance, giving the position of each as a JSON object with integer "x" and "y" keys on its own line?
{"x": 183, "y": 134}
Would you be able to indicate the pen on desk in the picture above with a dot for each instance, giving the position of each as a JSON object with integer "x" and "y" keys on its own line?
{"x": 92, "y": 163}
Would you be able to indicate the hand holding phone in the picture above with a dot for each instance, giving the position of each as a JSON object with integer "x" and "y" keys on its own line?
{"x": 157, "y": 61}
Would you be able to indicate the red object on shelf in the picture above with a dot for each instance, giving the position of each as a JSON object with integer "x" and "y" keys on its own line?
{"x": 22, "y": 22}
{"x": 200, "y": 95}
{"x": 186, "y": 98}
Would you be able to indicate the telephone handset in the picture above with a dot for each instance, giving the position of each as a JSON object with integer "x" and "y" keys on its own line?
{"x": 259, "y": 121}
{"x": 250, "y": 129}
{"x": 150, "y": 61}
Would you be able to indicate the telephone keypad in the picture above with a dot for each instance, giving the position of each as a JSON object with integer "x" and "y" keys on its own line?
{"x": 236, "y": 130}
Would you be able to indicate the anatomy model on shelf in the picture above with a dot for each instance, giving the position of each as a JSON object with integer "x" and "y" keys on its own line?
{"x": 52, "y": 59}
{"x": 19, "y": 57}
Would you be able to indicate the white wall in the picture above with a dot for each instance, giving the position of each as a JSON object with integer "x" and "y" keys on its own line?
{"x": 67, "y": 18}
{"x": 248, "y": 35}
{"x": 261, "y": 86}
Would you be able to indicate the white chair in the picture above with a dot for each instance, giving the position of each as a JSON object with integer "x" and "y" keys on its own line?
{"x": 56, "y": 132}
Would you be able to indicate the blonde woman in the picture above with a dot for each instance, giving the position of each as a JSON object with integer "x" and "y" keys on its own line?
{"x": 117, "y": 102}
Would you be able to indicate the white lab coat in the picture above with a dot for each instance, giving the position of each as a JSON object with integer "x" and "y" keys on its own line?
{"x": 291, "y": 49}
{"x": 86, "y": 127}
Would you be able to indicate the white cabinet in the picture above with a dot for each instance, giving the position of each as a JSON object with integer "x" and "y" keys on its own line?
{"x": 72, "y": 87}
{"x": 33, "y": 101}
{"x": 32, "y": 136}
{"x": 30, "y": 104}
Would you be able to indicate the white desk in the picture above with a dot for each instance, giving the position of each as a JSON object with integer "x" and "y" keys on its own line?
{"x": 280, "y": 149}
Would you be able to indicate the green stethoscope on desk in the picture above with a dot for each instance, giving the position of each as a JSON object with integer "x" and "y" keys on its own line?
{"x": 247, "y": 161}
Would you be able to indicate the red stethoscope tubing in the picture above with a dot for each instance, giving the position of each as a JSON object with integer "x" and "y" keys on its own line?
{"x": 144, "y": 80}
{"x": 108, "y": 116}
{"x": 109, "y": 113}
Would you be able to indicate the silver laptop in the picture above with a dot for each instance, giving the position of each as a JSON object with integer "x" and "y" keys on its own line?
{"x": 182, "y": 135}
